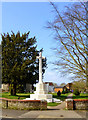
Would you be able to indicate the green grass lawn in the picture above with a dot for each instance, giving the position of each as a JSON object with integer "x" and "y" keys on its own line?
{"x": 53, "y": 104}
{"x": 21, "y": 95}
{"x": 62, "y": 97}
{"x": 27, "y": 95}
{"x": 81, "y": 96}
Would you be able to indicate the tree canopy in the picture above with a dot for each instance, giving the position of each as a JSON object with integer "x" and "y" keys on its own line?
{"x": 19, "y": 65}
{"x": 79, "y": 85}
{"x": 70, "y": 27}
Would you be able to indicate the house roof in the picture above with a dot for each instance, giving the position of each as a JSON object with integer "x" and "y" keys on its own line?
{"x": 50, "y": 83}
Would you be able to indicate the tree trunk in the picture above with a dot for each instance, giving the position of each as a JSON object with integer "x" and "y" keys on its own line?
{"x": 13, "y": 89}
{"x": 32, "y": 88}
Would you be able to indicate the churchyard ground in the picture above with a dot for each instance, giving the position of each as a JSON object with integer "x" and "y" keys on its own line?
{"x": 81, "y": 96}
{"x": 18, "y": 96}
{"x": 62, "y": 97}
{"x": 53, "y": 104}
{"x": 27, "y": 95}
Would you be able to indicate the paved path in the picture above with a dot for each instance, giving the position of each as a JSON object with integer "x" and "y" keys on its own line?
{"x": 58, "y": 107}
{"x": 6, "y": 113}
{"x": 70, "y": 96}
{"x": 62, "y": 105}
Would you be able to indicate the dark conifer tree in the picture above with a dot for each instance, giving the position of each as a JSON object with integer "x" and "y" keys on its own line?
{"x": 19, "y": 64}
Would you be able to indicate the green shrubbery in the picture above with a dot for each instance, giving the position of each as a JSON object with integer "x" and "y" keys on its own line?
{"x": 76, "y": 92}
{"x": 58, "y": 93}
{"x": 63, "y": 92}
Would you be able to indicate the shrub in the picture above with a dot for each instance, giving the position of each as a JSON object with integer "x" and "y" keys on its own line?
{"x": 58, "y": 93}
{"x": 63, "y": 92}
{"x": 34, "y": 88}
{"x": 76, "y": 92}
{"x": 66, "y": 90}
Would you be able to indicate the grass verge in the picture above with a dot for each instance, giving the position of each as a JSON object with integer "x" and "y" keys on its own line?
{"x": 62, "y": 97}
{"x": 27, "y": 95}
{"x": 53, "y": 104}
{"x": 19, "y": 95}
{"x": 81, "y": 96}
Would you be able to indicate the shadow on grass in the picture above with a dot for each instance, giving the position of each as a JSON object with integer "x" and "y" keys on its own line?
{"x": 62, "y": 97}
{"x": 17, "y": 96}
{"x": 80, "y": 97}
{"x": 23, "y": 97}
{"x": 53, "y": 104}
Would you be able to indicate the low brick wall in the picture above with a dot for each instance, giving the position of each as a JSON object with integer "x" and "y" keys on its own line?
{"x": 77, "y": 104}
{"x": 23, "y": 104}
{"x": 80, "y": 104}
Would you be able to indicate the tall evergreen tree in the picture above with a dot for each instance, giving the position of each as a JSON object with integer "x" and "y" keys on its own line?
{"x": 18, "y": 60}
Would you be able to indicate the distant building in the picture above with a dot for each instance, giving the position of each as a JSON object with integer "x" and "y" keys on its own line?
{"x": 59, "y": 88}
{"x": 27, "y": 87}
{"x": 69, "y": 86}
{"x": 51, "y": 86}
{"x": 5, "y": 87}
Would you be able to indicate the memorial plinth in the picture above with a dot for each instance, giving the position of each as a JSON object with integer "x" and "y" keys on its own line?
{"x": 41, "y": 92}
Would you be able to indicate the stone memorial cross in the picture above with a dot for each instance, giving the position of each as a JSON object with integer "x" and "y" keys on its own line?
{"x": 40, "y": 66}
{"x": 41, "y": 92}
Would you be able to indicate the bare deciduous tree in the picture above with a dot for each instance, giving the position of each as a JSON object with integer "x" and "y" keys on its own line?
{"x": 70, "y": 29}
{"x": 80, "y": 85}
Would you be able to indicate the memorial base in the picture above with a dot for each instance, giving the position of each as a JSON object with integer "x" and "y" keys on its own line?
{"x": 41, "y": 93}
{"x": 40, "y": 96}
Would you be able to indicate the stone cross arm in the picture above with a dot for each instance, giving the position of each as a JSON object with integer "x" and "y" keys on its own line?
{"x": 37, "y": 57}
{"x": 40, "y": 66}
